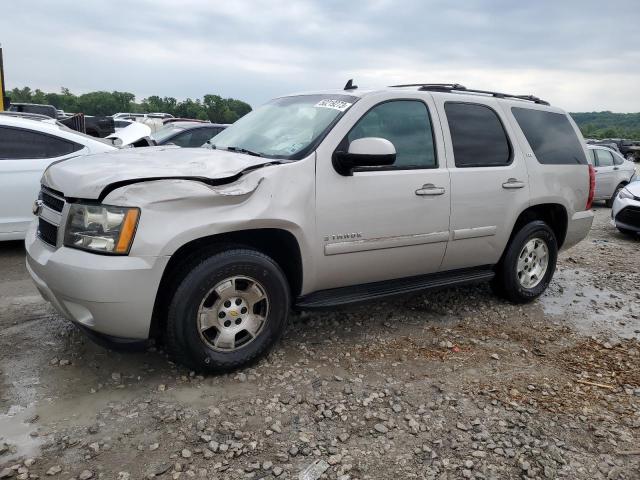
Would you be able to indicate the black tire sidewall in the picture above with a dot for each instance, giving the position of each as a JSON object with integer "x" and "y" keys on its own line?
{"x": 609, "y": 203}
{"x": 182, "y": 325}
{"x": 511, "y": 284}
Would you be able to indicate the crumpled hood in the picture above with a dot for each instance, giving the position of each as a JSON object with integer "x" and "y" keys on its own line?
{"x": 88, "y": 176}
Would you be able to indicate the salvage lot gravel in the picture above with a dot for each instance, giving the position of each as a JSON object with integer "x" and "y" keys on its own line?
{"x": 447, "y": 384}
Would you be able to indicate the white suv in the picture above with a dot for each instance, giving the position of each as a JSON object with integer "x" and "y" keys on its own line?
{"x": 311, "y": 201}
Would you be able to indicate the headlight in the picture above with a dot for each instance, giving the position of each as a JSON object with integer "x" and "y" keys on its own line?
{"x": 624, "y": 193}
{"x": 101, "y": 228}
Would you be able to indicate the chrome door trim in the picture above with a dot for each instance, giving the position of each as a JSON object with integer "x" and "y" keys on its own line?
{"x": 337, "y": 248}
{"x": 464, "y": 233}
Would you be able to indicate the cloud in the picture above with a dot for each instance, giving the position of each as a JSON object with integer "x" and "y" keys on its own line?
{"x": 579, "y": 55}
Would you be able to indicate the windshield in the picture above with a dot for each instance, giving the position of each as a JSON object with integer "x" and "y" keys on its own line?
{"x": 163, "y": 133}
{"x": 287, "y": 127}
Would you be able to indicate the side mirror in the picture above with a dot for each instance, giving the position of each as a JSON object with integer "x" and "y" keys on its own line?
{"x": 365, "y": 152}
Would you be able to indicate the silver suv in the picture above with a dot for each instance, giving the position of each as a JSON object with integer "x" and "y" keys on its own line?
{"x": 310, "y": 201}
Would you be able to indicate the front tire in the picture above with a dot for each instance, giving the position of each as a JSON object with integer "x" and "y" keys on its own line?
{"x": 529, "y": 262}
{"x": 228, "y": 311}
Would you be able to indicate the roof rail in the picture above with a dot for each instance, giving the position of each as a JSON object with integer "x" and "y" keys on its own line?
{"x": 456, "y": 87}
{"x": 29, "y": 116}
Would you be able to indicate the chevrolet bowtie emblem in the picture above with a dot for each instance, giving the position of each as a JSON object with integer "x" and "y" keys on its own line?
{"x": 37, "y": 207}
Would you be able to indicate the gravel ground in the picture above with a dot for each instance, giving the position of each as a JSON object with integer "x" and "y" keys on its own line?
{"x": 448, "y": 384}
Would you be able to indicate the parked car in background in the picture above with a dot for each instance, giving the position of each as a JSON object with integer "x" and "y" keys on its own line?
{"x": 47, "y": 110}
{"x": 630, "y": 149}
{"x": 136, "y": 134}
{"x": 613, "y": 172}
{"x": 187, "y": 134}
{"x": 625, "y": 213}
{"x": 313, "y": 201}
{"x": 119, "y": 124}
{"x": 604, "y": 143}
{"x": 27, "y": 147}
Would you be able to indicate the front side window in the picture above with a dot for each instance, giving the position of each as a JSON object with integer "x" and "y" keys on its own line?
{"x": 603, "y": 158}
{"x": 406, "y": 124}
{"x": 19, "y": 144}
{"x": 164, "y": 133}
{"x": 287, "y": 127}
{"x": 193, "y": 138}
{"x": 550, "y": 136}
{"x": 477, "y": 135}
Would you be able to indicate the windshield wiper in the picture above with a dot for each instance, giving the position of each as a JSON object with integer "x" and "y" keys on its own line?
{"x": 243, "y": 150}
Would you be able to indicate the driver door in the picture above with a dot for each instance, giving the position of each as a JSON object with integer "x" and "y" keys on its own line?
{"x": 386, "y": 222}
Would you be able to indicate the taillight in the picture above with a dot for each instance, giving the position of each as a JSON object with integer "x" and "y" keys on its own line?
{"x": 592, "y": 187}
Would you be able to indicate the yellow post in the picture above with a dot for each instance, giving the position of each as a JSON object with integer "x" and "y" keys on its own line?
{"x": 2, "y": 95}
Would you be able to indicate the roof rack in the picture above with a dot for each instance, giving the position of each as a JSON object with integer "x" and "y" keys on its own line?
{"x": 456, "y": 87}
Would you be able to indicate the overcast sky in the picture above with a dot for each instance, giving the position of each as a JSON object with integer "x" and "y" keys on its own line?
{"x": 580, "y": 55}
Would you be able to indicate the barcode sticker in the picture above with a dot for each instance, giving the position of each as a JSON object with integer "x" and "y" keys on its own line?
{"x": 335, "y": 104}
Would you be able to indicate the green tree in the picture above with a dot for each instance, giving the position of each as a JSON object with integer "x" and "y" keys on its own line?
{"x": 212, "y": 107}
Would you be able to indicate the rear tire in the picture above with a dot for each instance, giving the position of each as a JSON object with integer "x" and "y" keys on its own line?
{"x": 528, "y": 264}
{"x": 228, "y": 311}
{"x": 609, "y": 203}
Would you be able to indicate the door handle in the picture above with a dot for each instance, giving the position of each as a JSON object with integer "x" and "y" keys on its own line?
{"x": 616, "y": 168}
{"x": 513, "y": 183}
{"x": 430, "y": 189}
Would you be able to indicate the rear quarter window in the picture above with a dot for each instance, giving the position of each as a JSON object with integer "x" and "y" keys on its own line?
{"x": 551, "y": 136}
{"x": 20, "y": 144}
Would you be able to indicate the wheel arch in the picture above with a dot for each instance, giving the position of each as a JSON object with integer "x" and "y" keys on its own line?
{"x": 279, "y": 244}
{"x": 553, "y": 214}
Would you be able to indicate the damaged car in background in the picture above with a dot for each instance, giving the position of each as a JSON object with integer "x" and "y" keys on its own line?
{"x": 310, "y": 201}
{"x": 29, "y": 143}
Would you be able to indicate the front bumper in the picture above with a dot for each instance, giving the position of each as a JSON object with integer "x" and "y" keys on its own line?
{"x": 625, "y": 213}
{"x": 111, "y": 295}
{"x": 578, "y": 228}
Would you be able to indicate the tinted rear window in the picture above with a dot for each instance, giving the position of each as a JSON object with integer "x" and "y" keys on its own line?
{"x": 550, "y": 136}
{"x": 478, "y": 137}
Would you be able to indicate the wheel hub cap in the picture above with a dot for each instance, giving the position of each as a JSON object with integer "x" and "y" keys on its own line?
{"x": 532, "y": 262}
{"x": 233, "y": 313}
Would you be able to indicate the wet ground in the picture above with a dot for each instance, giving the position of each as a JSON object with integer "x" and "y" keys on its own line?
{"x": 448, "y": 384}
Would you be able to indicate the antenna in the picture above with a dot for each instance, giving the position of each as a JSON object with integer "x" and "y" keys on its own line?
{"x": 350, "y": 85}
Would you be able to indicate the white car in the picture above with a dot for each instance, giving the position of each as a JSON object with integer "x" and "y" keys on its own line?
{"x": 613, "y": 172}
{"x": 28, "y": 145}
{"x": 625, "y": 213}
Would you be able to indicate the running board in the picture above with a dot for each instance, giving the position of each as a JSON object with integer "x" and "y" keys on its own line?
{"x": 360, "y": 293}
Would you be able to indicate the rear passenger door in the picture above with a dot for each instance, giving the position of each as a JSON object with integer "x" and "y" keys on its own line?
{"x": 24, "y": 155}
{"x": 489, "y": 182}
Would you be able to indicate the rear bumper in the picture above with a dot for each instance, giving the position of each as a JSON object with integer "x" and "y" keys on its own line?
{"x": 578, "y": 228}
{"x": 110, "y": 295}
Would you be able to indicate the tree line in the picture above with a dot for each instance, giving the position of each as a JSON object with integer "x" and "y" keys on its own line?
{"x": 608, "y": 124}
{"x": 211, "y": 107}
{"x": 228, "y": 110}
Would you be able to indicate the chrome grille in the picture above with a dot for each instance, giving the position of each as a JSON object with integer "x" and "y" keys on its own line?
{"x": 52, "y": 199}
{"x": 50, "y": 215}
{"x": 47, "y": 232}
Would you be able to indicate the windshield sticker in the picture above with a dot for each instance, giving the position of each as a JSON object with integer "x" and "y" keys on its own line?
{"x": 335, "y": 104}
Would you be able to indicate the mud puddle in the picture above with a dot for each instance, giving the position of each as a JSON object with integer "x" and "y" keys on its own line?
{"x": 575, "y": 297}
